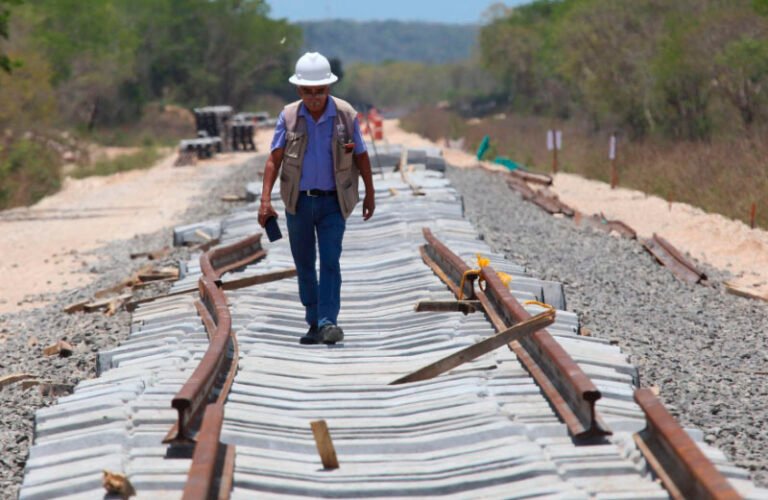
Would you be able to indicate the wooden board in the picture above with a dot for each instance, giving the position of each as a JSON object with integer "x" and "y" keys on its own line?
{"x": 483, "y": 347}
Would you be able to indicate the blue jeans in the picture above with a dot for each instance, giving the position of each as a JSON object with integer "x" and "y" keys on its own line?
{"x": 319, "y": 215}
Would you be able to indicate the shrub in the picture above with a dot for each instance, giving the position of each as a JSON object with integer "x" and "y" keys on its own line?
{"x": 28, "y": 172}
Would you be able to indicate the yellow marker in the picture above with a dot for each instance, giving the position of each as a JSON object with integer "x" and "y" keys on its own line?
{"x": 482, "y": 261}
{"x": 505, "y": 278}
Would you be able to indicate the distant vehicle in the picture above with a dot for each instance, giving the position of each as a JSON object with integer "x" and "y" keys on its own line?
{"x": 260, "y": 119}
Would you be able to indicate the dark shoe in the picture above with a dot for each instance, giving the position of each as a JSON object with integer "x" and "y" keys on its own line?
{"x": 311, "y": 337}
{"x": 330, "y": 334}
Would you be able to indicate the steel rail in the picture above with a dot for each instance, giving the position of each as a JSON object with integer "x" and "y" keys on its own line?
{"x": 549, "y": 363}
{"x": 213, "y": 367}
{"x": 675, "y": 458}
{"x": 545, "y": 200}
{"x": 571, "y": 393}
{"x": 212, "y": 469}
{"x": 671, "y": 257}
{"x": 210, "y": 475}
{"x": 220, "y": 260}
{"x": 599, "y": 221}
{"x": 532, "y": 177}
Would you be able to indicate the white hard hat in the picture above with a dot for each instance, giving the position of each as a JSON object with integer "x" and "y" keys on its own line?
{"x": 313, "y": 70}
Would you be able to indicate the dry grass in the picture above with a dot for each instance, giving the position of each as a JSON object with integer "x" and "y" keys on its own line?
{"x": 142, "y": 159}
{"x": 725, "y": 175}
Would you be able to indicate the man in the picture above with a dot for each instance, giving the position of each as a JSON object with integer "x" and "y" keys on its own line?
{"x": 319, "y": 147}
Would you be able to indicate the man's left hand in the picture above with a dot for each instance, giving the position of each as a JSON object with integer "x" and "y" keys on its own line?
{"x": 369, "y": 205}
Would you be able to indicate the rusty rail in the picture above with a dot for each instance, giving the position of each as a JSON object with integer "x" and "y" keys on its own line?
{"x": 571, "y": 393}
{"x": 212, "y": 469}
{"x": 543, "y": 198}
{"x": 223, "y": 259}
{"x": 211, "y": 472}
{"x": 215, "y": 367}
{"x": 599, "y": 221}
{"x": 532, "y": 177}
{"x": 683, "y": 469}
{"x": 671, "y": 257}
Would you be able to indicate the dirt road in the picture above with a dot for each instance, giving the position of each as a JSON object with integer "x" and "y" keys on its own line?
{"x": 45, "y": 248}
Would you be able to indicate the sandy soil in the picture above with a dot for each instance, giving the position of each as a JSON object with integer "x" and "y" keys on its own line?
{"x": 723, "y": 243}
{"x": 46, "y": 248}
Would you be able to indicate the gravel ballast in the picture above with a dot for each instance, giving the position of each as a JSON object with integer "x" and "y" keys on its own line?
{"x": 28, "y": 332}
{"x": 706, "y": 350}
{"x": 699, "y": 345}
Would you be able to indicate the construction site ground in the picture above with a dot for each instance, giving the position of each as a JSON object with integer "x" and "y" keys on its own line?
{"x": 723, "y": 243}
{"x": 45, "y": 247}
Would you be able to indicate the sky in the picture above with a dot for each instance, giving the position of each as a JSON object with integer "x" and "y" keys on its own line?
{"x": 438, "y": 11}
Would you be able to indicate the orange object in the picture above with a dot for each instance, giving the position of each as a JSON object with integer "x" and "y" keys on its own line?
{"x": 363, "y": 124}
{"x": 377, "y": 124}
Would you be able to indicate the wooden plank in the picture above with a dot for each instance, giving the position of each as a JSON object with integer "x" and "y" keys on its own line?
{"x": 113, "y": 289}
{"x": 258, "y": 279}
{"x": 104, "y": 303}
{"x": 203, "y": 235}
{"x": 324, "y": 444}
{"x": 465, "y": 306}
{"x": 232, "y": 197}
{"x": 158, "y": 274}
{"x": 743, "y": 292}
{"x": 226, "y": 285}
{"x": 76, "y": 307}
{"x": 503, "y": 338}
{"x": 13, "y": 378}
{"x": 152, "y": 255}
{"x": 62, "y": 348}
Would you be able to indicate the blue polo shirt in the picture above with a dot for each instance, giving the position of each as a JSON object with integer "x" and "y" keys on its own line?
{"x": 317, "y": 167}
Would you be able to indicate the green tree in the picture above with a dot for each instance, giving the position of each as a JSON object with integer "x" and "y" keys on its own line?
{"x": 742, "y": 76}
{"x": 607, "y": 48}
{"x": 225, "y": 51}
{"x": 517, "y": 47}
{"x": 6, "y": 63}
{"x": 91, "y": 47}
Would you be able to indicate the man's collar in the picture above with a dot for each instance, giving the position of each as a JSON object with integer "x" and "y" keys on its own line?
{"x": 330, "y": 110}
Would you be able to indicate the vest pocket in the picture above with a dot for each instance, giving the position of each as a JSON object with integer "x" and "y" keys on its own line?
{"x": 345, "y": 159}
{"x": 293, "y": 144}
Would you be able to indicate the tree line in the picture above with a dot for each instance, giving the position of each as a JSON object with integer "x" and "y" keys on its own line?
{"x": 381, "y": 41}
{"x": 97, "y": 63}
{"x": 682, "y": 69}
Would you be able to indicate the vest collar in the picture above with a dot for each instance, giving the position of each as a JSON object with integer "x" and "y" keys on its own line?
{"x": 330, "y": 111}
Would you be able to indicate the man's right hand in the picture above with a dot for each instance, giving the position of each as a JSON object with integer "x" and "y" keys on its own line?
{"x": 265, "y": 212}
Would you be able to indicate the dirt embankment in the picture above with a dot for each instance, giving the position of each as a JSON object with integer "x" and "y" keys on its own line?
{"x": 723, "y": 243}
{"x": 46, "y": 248}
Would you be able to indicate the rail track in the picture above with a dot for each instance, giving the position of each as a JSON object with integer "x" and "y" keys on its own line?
{"x": 212, "y": 396}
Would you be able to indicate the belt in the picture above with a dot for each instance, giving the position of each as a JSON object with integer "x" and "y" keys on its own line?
{"x": 318, "y": 192}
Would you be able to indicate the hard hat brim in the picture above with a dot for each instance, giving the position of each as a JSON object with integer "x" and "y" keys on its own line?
{"x": 313, "y": 83}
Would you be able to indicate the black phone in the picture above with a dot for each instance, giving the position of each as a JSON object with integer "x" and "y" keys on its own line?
{"x": 273, "y": 230}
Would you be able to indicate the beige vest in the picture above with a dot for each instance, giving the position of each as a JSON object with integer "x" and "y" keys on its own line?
{"x": 344, "y": 167}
